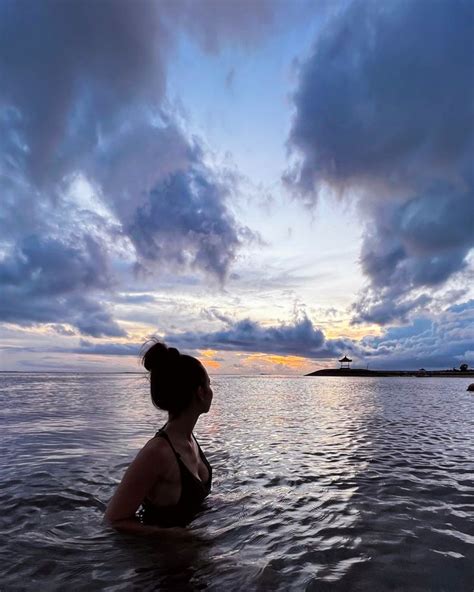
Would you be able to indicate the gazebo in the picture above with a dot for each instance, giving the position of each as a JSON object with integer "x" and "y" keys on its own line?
{"x": 345, "y": 363}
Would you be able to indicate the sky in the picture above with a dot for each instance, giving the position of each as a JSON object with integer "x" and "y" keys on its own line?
{"x": 266, "y": 185}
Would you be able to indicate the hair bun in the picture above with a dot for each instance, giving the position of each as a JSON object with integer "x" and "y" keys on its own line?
{"x": 173, "y": 354}
{"x": 159, "y": 355}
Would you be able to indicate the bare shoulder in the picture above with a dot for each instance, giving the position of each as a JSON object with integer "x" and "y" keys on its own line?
{"x": 158, "y": 452}
{"x": 151, "y": 464}
{"x": 153, "y": 461}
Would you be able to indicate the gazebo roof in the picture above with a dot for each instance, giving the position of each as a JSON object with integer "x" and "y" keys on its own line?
{"x": 345, "y": 359}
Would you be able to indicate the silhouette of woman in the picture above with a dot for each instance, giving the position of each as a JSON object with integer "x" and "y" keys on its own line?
{"x": 170, "y": 477}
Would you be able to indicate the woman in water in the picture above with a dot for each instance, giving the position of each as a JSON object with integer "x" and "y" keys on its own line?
{"x": 170, "y": 477}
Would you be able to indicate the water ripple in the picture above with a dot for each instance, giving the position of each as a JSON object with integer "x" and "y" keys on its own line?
{"x": 320, "y": 484}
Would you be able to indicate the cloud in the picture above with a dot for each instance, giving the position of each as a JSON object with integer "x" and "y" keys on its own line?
{"x": 88, "y": 316}
{"x": 214, "y": 314}
{"x": 83, "y": 97}
{"x": 108, "y": 349}
{"x": 185, "y": 223}
{"x": 45, "y": 280}
{"x": 462, "y": 307}
{"x": 62, "y": 330}
{"x": 135, "y": 299}
{"x": 171, "y": 206}
{"x": 431, "y": 341}
{"x": 421, "y": 243}
{"x": 384, "y": 307}
{"x": 299, "y": 338}
{"x": 385, "y": 115}
{"x": 369, "y": 101}
{"x": 215, "y": 23}
{"x": 48, "y": 266}
{"x": 73, "y": 72}
{"x": 443, "y": 341}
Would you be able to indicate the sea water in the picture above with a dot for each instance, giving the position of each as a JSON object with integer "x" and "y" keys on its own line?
{"x": 363, "y": 484}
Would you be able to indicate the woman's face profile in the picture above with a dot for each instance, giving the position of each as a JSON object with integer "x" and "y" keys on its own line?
{"x": 206, "y": 394}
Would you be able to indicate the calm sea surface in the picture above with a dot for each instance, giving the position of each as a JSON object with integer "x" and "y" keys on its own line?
{"x": 362, "y": 484}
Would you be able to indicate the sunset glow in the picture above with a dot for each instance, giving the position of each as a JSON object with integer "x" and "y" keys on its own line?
{"x": 236, "y": 183}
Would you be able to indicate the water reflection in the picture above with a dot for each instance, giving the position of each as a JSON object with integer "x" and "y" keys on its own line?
{"x": 320, "y": 484}
{"x": 405, "y": 489}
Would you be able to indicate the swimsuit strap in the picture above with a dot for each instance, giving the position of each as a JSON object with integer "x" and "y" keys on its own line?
{"x": 181, "y": 464}
{"x": 201, "y": 453}
{"x": 162, "y": 434}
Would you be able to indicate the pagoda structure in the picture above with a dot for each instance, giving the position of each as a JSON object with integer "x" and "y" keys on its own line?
{"x": 345, "y": 363}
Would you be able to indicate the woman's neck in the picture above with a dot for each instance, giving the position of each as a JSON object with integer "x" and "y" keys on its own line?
{"x": 182, "y": 425}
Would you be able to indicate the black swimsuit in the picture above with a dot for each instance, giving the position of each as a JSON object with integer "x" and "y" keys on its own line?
{"x": 193, "y": 493}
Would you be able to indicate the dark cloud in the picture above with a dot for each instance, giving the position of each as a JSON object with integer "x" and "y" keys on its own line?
{"x": 418, "y": 244}
{"x": 215, "y": 23}
{"x": 47, "y": 266}
{"x": 171, "y": 206}
{"x": 372, "y": 95}
{"x": 62, "y": 330}
{"x": 214, "y": 314}
{"x": 385, "y": 306}
{"x": 441, "y": 342}
{"x": 72, "y": 67}
{"x": 108, "y": 349}
{"x": 90, "y": 317}
{"x": 83, "y": 95}
{"x": 300, "y": 338}
{"x": 45, "y": 280}
{"x": 385, "y": 107}
{"x": 73, "y": 71}
{"x": 185, "y": 223}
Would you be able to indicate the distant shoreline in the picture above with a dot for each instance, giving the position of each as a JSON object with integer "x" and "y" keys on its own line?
{"x": 393, "y": 373}
{"x": 326, "y": 372}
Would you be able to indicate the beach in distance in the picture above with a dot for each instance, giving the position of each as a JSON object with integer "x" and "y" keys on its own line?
{"x": 331, "y": 484}
{"x": 354, "y": 372}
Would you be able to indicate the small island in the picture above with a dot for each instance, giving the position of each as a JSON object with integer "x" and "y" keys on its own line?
{"x": 346, "y": 370}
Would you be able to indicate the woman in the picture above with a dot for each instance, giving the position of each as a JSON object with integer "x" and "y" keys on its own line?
{"x": 170, "y": 477}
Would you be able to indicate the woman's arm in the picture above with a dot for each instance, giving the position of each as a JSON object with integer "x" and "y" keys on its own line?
{"x": 149, "y": 465}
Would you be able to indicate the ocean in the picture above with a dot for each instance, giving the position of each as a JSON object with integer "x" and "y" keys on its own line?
{"x": 320, "y": 484}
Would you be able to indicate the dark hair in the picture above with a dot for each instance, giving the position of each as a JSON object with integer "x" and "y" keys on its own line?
{"x": 174, "y": 377}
